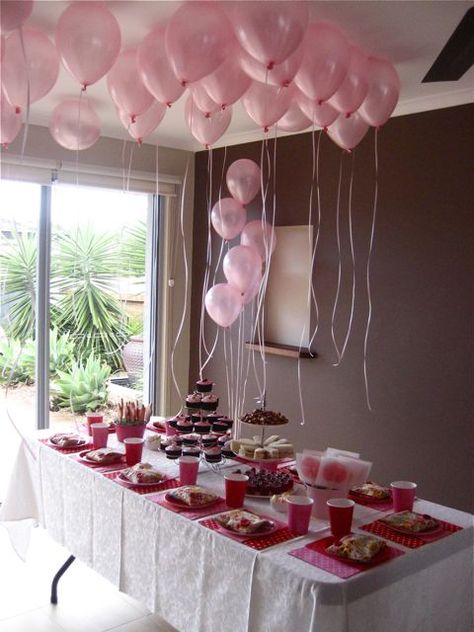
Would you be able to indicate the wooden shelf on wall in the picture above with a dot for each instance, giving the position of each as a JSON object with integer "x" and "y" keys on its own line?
{"x": 287, "y": 351}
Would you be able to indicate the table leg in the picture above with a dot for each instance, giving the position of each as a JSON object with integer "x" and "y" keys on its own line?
{"x": 57, "y": 577}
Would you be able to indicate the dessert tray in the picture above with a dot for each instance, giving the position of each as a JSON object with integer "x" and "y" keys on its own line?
{"x": 191, "y": 497}
{"x": 245, "y": 524}
{"x": 358, "y": 549}
{"x": 411, "y": 523}
{"x": 108, "y": 456}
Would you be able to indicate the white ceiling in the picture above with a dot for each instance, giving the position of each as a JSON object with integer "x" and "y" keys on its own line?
{"x": 409, "y": 33}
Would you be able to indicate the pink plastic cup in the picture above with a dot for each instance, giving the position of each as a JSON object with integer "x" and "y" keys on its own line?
{"x": 299, "y": 513}
{"x": 133, "y": 450}
{"x": 403, "y": 495}
{"x": 188, "y": 469}
{"x": 340, "y": 516}
{"x": 235, "y": 488}
{"x": 93, "y": 418}
{"x": 100, "y": 435}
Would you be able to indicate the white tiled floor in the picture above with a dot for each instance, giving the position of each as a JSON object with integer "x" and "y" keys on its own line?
{"x": 87, "y": 602}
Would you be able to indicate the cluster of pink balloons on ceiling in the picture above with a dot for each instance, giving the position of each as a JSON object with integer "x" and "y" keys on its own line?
{"x": 243, "y": 264}
{"x": 285, "y": 70}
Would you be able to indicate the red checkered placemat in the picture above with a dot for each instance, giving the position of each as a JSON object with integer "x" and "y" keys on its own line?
{"x": 410, "y": 541}
{"x": 84, "y": 446}
{"x": 283, "y": 534}
{"x": 169, "y": 483}
{"x": 366, "y": 502}
{"x": 160, "y": 429}
{"x": 111, "y": 467}
{"x": 192, "y": 514}
{"x": 315, "y": 554}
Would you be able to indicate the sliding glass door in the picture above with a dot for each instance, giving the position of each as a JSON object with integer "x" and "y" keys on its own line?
{"x": 78, "y": 309}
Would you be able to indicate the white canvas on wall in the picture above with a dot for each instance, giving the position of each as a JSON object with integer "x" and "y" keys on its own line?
{"x": 287, "y": 311}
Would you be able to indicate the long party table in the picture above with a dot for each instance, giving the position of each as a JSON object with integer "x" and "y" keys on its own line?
{"x": 202, "y": 581}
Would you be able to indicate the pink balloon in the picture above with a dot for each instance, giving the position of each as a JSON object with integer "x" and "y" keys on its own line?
{"x": 10, "y": 122}
{"x": 228, "y": 83}
{"x": 126, "y": 87}
{"x": 41, "y": 68}
{"x": 251, "y": 293}
{"x": 228, "y": 218}
{"x": 202, "y": 100}
{"x": 384, "y": 90}
{"x": 243, "y": 180}
{"x": 280, "y": 75}
{"x": 348, "y": 132}
{"x": 320, "y": 114}
{"x": 266, "y": 104}
{"x": 355, "y": 86}
{"x": 242, "y": 267}
{"x": 294, "y": 120}
{"x": 270, "y": 31}
{"x": 145, "y": 123}
{"x": 155, "y": 69}
{"x": 325, "y": 61}
{"x": 88, "y": 40}
{"x": 197, "y": 40}
{"x": 13, "y": 14}
{"x": 74, "y": 124}
{"x": 223, "y": 304}
{"x": 206, "y": 130}
{"x": 260, "y": 237}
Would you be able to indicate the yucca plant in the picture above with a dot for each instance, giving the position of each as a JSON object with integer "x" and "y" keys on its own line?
{"x": 13, "y": 369}
{"x": 133, "y": 248}
{"x": 61, "y": 354}
{"x": 85, "y": 266}
{"x": 83, "y": 388}
{"x": 18, "y": 257}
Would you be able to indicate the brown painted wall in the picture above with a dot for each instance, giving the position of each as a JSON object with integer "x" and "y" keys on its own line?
{"x": 420, "y": 347}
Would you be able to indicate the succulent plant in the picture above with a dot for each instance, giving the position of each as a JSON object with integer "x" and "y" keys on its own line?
{"x": 13, "y": 369}
{"x": 83, "y": 388}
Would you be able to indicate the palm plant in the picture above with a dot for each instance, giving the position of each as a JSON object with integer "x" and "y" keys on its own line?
{"x": 84, "y": 302}
{"x": 133, "y": 249}
{"x": 18, "y": 278}
{"x": 61, "y": 354}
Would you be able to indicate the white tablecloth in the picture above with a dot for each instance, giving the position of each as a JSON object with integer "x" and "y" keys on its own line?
{"x": 201, "y": 581}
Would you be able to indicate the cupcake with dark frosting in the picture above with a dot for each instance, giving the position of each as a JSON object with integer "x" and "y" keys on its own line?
{"x": 204, "y": 386}
{"x": 202, "y": 427}
{"x": 213, "y": 455}
{"x": 209, "y": 402}
{"x": 194, "y": 400}
{"x": 173, "y": 451}
{"x": 209, "y": 440}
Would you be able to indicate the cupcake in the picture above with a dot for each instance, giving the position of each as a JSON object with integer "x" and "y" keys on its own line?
{"x": 184, "y": 425}
{"x": 173, "y": 451}
{"x": 209, "y": 402}
{"x": 191, "y": 450}
{"x": 202, "y": 427}
{"x": 195, "y": 417}
{"x": 204, "y": 386}
{"x": 227, "y": 420}
{"x": 221, "y": 441}
{"x": 166, "y": 442}
{"x": 213, "y": 455}
{"x": 178, "y": 439}
{"x": 193, "y": 400}
{"x": 219, "y": 427}
{"x": 191, "y": 439}
{"x": 209, "y": 440}
{"x": 212, "y": 417}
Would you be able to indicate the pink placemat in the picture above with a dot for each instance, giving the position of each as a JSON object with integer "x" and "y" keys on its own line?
{"x": 192, "y": 514}
{"x": 118, "y": 465}
{"x": 160, "y": 429}
{"x": 281, "y": 535}
{"x": 315, "y": 554}
{"x": 169, "y": 483}
{"x": 378, "y": 505}
{"x": 411, "y": 541}
{"x": 84, "y": 446}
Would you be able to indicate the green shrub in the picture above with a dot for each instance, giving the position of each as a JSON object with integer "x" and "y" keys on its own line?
{"x": 83, "y": 388}
{"x": 13, "y": 369}
{"x": 61, "y": 354}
